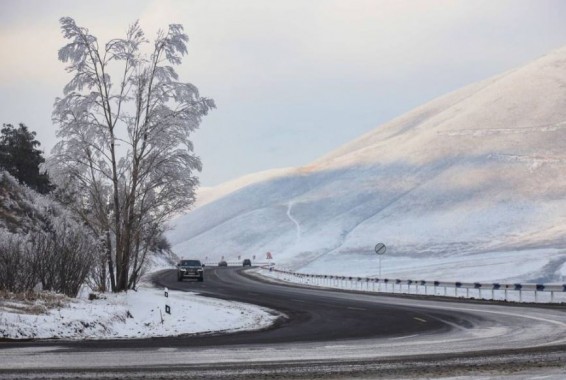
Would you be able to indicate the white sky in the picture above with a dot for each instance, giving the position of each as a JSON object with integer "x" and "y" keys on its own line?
{"x": 292, "y": 79}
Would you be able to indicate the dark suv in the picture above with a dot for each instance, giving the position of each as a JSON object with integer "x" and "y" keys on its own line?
{"x": 190, "y": 269}
{"x": 247, "y": 263}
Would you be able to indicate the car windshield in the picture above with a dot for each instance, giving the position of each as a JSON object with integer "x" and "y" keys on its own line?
{"x": 190, "y": 263}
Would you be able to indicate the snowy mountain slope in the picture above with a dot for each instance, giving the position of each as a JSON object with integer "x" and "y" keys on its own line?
{"x": 480, "y": 172}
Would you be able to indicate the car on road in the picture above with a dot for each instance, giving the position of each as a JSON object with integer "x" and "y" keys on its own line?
{"x": 222, "y": 264}
{"x": 190, "y": 269}
{"x": 247, "y": 263}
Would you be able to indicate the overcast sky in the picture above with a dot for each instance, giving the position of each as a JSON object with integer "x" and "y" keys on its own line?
{"x": 292, "y": 80}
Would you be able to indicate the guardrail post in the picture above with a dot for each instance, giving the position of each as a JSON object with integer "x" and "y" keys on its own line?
{"x": 477, "y": 285}
{"x": 493, "y": 288}
{"x": 538, "y": 287}
{"x": 456, "y": 286}
{"x": 519, "y": 287}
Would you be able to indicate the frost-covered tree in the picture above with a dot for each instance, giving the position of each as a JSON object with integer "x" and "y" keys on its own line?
{"x": 124, "y": 147}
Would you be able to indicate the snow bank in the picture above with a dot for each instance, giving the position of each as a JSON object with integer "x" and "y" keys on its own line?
{"x": 138, "y": 314}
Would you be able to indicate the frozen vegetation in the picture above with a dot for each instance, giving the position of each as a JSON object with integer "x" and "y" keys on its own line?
{"x": 468, "y": 187}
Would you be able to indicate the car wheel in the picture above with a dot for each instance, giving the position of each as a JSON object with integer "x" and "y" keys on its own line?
{"x": 179, "y": 278}
{"x": 200, "y": 279}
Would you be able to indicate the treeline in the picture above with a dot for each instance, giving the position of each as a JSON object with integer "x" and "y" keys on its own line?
{"x": 46, "y": 242}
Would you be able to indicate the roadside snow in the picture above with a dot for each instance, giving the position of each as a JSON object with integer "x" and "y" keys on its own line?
{"x": 129, "y": 315}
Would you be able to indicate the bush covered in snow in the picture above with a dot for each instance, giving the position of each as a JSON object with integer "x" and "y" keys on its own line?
{"x": 41, "y": 243}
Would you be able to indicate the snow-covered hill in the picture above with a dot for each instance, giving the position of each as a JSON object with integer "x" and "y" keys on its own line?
{"x": 470, "y": 186}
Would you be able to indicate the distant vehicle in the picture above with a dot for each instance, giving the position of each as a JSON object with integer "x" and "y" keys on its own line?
{"x": 190, "y": 269}
{"x": 222, "y": 264}
{"x": 247, "y": 263}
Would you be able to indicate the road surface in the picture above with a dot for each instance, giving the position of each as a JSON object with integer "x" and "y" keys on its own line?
{"x": 321, "y": 333}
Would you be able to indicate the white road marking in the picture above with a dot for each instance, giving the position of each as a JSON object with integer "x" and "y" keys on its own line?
{"x": 296, "y": 300}
{"x": 404, "y": 337}
{"x": 356, "y": 308}
{"x": 419, "y": 319}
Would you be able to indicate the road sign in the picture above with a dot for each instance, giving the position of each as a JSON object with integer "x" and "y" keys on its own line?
{"x": 268, "y": 256}
{"x": 380, "y": 250}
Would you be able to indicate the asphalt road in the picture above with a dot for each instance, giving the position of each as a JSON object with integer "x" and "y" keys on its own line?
{"x": 311, "y": 315}
{"x": 321, "y": 334}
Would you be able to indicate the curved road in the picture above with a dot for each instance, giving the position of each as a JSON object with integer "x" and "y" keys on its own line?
{"x": 311, "y": 315}
{"x": 322, "y": 332}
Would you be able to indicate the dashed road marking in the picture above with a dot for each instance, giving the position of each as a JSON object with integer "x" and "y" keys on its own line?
{"x": 357, "y": 308}
{"x": 404, "y": 337}
{"x": 419, "y": 319}
{"x": 296, "y": 300}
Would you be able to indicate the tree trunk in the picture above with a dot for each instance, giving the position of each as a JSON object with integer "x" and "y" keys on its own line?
{"x": 103, "y": 278}
{"x": 110, "y": 262}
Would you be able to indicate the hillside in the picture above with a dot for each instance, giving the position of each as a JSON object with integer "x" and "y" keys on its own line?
{"x": 23, "y": 210}
{"x": 468, "y": 186}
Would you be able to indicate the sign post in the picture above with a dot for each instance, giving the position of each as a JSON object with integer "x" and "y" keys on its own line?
{"x": 380, "y": 251}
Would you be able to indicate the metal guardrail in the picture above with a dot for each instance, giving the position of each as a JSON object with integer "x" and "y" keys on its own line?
{"x": 237, "y": 263}
{"x": 528, "y": 292}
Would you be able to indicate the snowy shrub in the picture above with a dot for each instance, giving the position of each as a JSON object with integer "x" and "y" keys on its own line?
{"x": 63, "y": 257}
{"x": 41, "y": 242}
{"x": 16, "y": 264}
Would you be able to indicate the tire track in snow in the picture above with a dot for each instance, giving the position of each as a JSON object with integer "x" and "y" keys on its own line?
{"x": 289, "y": 207}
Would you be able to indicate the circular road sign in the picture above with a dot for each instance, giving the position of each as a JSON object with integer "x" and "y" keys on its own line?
{"x": 380, "y": 249}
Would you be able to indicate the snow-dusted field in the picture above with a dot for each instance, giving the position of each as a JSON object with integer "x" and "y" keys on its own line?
{"x": 468, "y": 187}
{"x": 138, "y": 314}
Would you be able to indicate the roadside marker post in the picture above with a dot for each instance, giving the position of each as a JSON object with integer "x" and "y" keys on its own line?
{"x": 167, "y": 307}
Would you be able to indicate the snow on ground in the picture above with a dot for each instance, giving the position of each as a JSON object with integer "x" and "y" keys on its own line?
{"x": 467, "y": 187}
{"x": 135, "y": 314}
{"x": 512, "y": 266}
